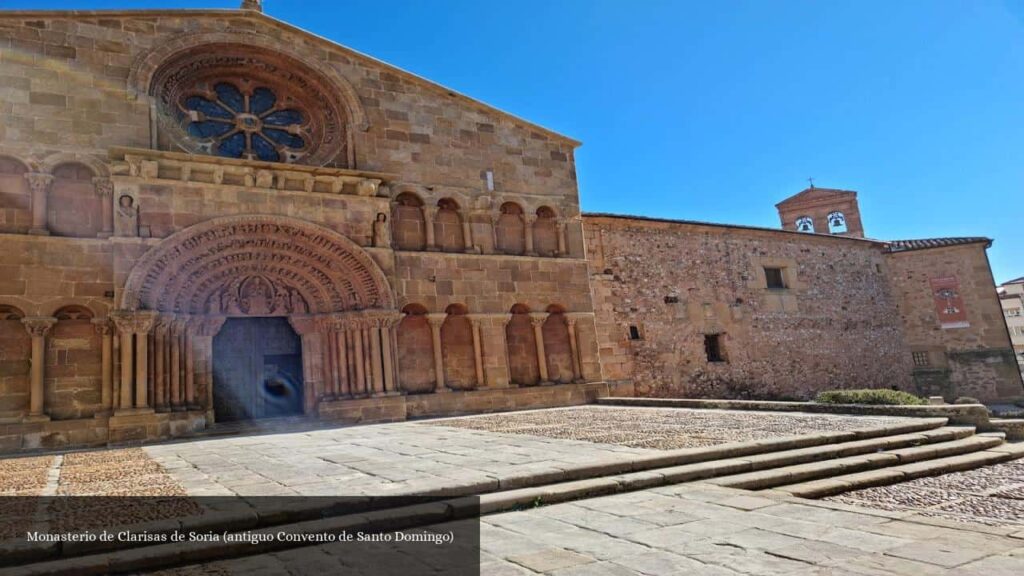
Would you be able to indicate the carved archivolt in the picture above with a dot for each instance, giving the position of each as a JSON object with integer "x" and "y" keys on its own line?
{"x": 259, "y": 266}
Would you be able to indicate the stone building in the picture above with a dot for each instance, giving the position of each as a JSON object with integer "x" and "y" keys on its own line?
{"x": 210, "y": 215}
{"x": 737, "y": 311}
{"x": 1011, "y": 297}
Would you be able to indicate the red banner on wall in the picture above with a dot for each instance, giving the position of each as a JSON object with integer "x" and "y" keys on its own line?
{"x": 949, "y": 303}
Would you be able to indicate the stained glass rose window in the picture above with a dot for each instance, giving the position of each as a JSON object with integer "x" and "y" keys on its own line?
{"x": 249, "y": 122}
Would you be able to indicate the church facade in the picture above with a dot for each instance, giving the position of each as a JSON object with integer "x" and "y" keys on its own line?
{"x": 210, "y": 216}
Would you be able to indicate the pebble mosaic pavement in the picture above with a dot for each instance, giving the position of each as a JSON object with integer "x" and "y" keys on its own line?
{"x": 992, "y": 495}
{"x": 661, "y": 428}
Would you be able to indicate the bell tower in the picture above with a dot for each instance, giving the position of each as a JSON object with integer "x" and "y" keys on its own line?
{"x": 822, "y": 211}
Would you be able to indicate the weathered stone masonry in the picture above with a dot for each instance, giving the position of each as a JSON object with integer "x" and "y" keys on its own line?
{"x": 208, "y": 215}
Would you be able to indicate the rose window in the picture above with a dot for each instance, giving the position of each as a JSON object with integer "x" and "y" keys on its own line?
{"x": 250, "y": 123}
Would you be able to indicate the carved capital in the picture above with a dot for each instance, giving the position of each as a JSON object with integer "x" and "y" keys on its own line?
{"x": 103, "y": 326}
{"x": 144, "y": 322}
{"x": 367, "y": 187}
{"x": 104, "y": 187}
{"x": 538, "y": 318}
{"x": 429, "y": 212}
{"x": 304, "y": 324}
{"x": 529, "y": 219}
{"x": 38, "y": 182}
{"x": 436, "y": 318}
{"x": 38, "y": 326}
{"x": 209, "y": 326}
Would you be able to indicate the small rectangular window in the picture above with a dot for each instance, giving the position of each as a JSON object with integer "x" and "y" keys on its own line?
{"x": 634, "y": 333}
{"x": 774, "y": 278}
{"x": 713, "y": 347}
{"x": 921, "y": 359}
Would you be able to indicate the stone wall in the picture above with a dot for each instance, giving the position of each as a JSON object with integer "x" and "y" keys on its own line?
{"x": 973, "y": 358}
{"x": 66, "y": 90}
{"x": 835, "y": 325}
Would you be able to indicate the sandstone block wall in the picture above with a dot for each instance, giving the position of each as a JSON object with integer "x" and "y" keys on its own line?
{"x": 976, "y": 360}
{"x": 835, "y": 326}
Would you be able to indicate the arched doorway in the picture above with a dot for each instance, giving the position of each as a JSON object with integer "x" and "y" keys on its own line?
{"x": 255, "y": 316}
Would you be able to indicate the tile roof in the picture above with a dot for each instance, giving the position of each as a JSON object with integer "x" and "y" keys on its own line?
{"x": 924, "y": 243}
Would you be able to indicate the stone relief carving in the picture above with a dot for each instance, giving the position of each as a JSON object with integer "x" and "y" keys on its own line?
{"x": 381, "y": 231}
{"x": 257, "y": 296}
{"x": 126, "y": 216}
{"x": 288, "y": 268}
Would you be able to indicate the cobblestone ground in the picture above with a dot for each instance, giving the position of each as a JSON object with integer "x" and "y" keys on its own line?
{"x": 993, "y": 495}
{"x": 661, "y": 428}
{"x": 126, "y": 472}
{"x": 691, "y": 530}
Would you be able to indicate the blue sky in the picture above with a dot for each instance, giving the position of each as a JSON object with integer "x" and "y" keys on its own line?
{"x": 717, "y": 110}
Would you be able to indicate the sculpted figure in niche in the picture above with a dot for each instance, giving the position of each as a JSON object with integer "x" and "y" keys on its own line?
{"x": 381, "y": 231}
{"x": 127, "y": 216}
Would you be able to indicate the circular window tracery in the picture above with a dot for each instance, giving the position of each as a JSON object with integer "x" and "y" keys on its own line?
{"x": 248, "y": 102}
{"x": 246, "y": 122}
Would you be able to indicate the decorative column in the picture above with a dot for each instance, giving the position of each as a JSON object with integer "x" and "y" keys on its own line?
{"x": 387, "y": 327}
{"x": 332, "y": 367}
{"x": 560, "y": 232}
{"x": 467, "y": 234}
{"x": 105, "y": 190}
{"x": 160, "y": 402}
{"x": 39, "y": 184}
{"x": 191, "y": 401}
{"x": 174, "y": 335}
{"x": 356, "y": 333}
{"x": 429, "y": 213}
{"x": 502, "y": 325}
{"x": 577, "y": 372}
{"x": 586, "y": 351}
{"x": 436, "y": 319}
{"x": 106, "y": 332}
{"x": 374, "y": 327}
{"x": 143, "y": 325}
{"x": 125, "y": 327}
{"x": 205, "y": 330}
{"x": 528, "y": 221}
{"x": 309, "y": 329}
{"x": 538, "y": 319}
{"x": 495, "y": 218}
{"x": 38, "y": 327}
{"x": 478, "y": 359}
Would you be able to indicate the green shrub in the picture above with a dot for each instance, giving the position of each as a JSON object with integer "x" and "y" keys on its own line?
{"x": 967, "y": 400}
{"x": 879, "y": 396}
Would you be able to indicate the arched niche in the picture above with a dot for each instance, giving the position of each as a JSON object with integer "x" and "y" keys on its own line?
{"x": 448, "y": 227}
{"x": 15, "y": 196}
{"x": 407, "y": 222}
{"x": 510, "y": 233}
{"x": 522, "y": 347}
{"x": 457, "y": 349}
{"x": 545, "y": 232}
{"x": 72, "y": 386}
{"x": 76, "y": 210}
{"x": 15, "y": 357}
{"x": 557, "y": 349}
{"x": 415, "y": 351}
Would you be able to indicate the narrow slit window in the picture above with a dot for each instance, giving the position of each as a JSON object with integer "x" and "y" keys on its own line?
{"x": 634, "y": 333}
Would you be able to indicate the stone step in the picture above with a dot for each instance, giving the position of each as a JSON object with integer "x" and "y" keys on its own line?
{"x": 786, "y": 475}
{"x": 895, "y": 474}
{"x": 624, "y": 474}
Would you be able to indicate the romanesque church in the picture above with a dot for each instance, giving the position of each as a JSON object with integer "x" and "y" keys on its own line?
{"x": 210, "y": 216}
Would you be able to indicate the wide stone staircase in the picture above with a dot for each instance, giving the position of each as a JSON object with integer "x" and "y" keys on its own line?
{"x": 811, "y": 465}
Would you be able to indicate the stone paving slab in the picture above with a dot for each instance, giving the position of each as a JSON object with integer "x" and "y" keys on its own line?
{"x": 700, "y": 529}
